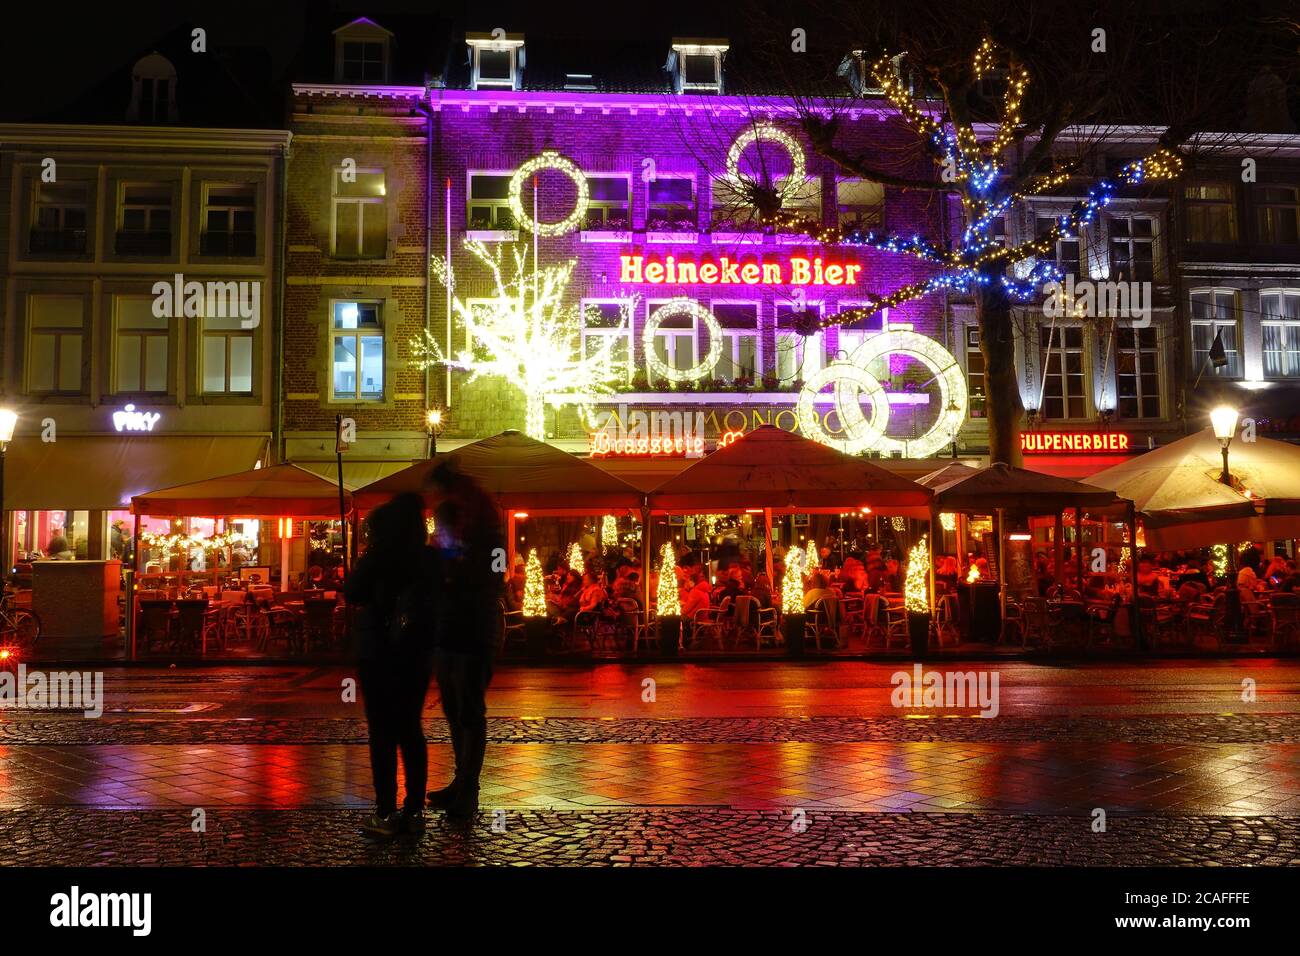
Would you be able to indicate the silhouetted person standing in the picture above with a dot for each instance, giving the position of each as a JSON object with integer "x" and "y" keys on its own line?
{"x": 471, "y": 557}
{"x": 394, "y": 584}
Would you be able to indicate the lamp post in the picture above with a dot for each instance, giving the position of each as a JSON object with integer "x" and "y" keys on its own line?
{"x": 8, "y": 421}
{"x": 433, "y": 425}
{"x": 1224, "y": 420}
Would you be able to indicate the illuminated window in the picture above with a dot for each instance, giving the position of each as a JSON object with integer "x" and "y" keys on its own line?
{"x": 676, "y": 340}
{"x": 861, "y": 204}
{"x": 57, "y": 326}
{"x": 607, "y": 208}
{"x": 489, "y": 201}
{"x": 797, "y": 356}
{"x": 143, "y": 344}
{"x": 1277, "y": 213}
{"x": 1062, "y": 360}
{"x": 696, "y": 65}
{"x": 1137, "y": 372}
{"x": 671, "y": 204}
{"x": 741, "y": 355}
{"x": 608, "y": 323}
{"x": 975, "y": 371}
{"x": 496, "y": 62}
{"x": 59, "y": 218}
{"x": 357, "y": 350}
{"x": 360, "y": 219}
{"x": 1281, "y": 329}
{"x": 227, "y": 356}
{"x": 1211, "y": 213}
{"x": 1214, "y": 313}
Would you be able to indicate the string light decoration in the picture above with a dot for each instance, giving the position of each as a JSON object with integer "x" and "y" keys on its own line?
{"x": 609, "y": 532}
{"x": 667, "y": 600}
{"x": 576, "y": 562}
{"x": 792, "y": 582}
{"x": 180, "y": 543}
{"x": 1220, "y": 557}
{"x": 812, "y": 560}
{"x": 768, "y": 133}
{"x": 898, "y": 522}
{"x": 688, "y": 307}
{"x": 947, "y": 521}
{"x": 527, "y": 333}
{"x": 534, "y": 587}
{"x": 916, "y": 583}
{"x": 548, "y": 159}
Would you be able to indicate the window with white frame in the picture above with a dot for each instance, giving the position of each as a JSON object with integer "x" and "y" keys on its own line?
{"x": 1214, "y": 313}
{"x": 59, "y": 217}
{"x": 56, "y": 343}
{"x": 1277, "y": 214}
{"x": 676, "y": 340}
{"x": 227, "y": 356}
{"x": 861, "y": 204}
{"x": 1137, "y": 372}
{"x": 1062, "y": 361}
{"x": 741, "y": 355}
{"x": 975, "y": 380}
{"x": 607, "y": 205}
{"x": 496, "y": 62}
{"x": 145, "y": 219}
{"x": 804, "y": 203}
{"x": 489, "y": 201}
{"x": 607, "y": 323}
{"x": 732, "y": 207}
{"x": 360, "y": 216}
{"x": 1211, "y": 212}
{"x": 797, "y": 356}
{"x": 229, "y": 220}
{"x": 1132, "y": 248}
{"x": 363, "y": 61}
{"x": 1068, "y": 249}
{"x": 357, "y": 350}
{"x": 142, "y": 346}
{"x": 1280, "y": 325}
{"x": 697, "y": 67}
{"x": 671, "y": 204}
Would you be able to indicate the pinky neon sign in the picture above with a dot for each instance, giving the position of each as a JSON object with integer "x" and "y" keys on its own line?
{"x": 603, "y": 444}
{"x": 800, "y": 270}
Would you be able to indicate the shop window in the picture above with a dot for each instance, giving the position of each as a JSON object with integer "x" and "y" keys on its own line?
{"x": 227, "y": 356}
{"x": 1281, "y": 331}
{"x": 489, "y": 203}
{"x": 59, "y": 218}
{"x": 229, "y": 220}
{"x": 142, "y": 346}
{"x": 1137, "y": 372}
{"x": 1062, "y": 361}
{"x": 360, "y": 214}
{"x": 56, "y": 343}
{"x": 671, "y": 204}
{"x": 357, "y": 348}
{"x": 145, "y": 220}
{"x": 1214, "y": 313}
{"x": 1277, "y": 215}
{"x": 607, "y": 208}
{"x": 1211, "y": 213}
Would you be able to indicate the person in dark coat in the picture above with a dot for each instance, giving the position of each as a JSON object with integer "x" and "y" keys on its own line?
{"x": 471, "y": 550}
{"x": 394, "y": 586}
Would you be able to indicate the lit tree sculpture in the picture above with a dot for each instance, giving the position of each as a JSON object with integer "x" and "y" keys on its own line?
{"x": 576, "y": 563}
{"x": 668, "y": 601}
{"x": 812, "y": 560}
{"x": 916, "y": 585}
{"x": 609, "y": 531}
{"x": 527, "y": 332}
{"x": 534, "y": 587}
{"x": 792, "y": 582}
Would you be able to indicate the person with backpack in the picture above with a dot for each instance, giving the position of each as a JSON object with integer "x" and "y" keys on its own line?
{"x": 394, "y": 585}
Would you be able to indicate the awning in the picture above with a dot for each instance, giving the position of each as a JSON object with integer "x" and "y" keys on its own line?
{"x": 103, "y": 472}
{"x": 1000, "y": 485}
{"x": 284, "y": 490}
{"x": 356, "y": 474}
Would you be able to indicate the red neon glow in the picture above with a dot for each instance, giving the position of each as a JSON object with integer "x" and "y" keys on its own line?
{"x": 638, "y": 269}
{"x": 729, "y": 438}
{"x": 1076, "y": 442}
{"x": 521, "y": 514}
{"x": 603, "y": 444}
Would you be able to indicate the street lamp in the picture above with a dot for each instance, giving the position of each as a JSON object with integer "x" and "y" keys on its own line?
{"x": 8, "y": 422}
{"x": 433, "y": 425}
{"x": 1224, "y": 420}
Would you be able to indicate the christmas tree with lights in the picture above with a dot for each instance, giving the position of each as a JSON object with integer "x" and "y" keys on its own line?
{"x": 916, "y": 584}
{"x": 534, "y": 587}
{"x": 669, "y": 602}
{"x": 609, "y": 531}
{"x": 792, "y": 583}
{"x": 576, "y": 563}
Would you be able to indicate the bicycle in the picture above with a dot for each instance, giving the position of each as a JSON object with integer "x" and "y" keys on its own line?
{"x": 19, "y": 627}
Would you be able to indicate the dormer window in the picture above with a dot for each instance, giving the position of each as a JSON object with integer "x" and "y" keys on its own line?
{"x": 153, "y": 91}
{"x": 362, "y": 53}
{"x": 696, "y": 65}
{"x": 496, "y": 60}
{"x": 579, "y": 81}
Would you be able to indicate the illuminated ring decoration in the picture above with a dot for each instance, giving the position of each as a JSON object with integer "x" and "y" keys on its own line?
{"x": 549, "y": 159}
{"x": 682, "y": 306}
{"x": 859, "y": 434}
{"x": 768, "y": 132}
{"x": 851, "y": 378}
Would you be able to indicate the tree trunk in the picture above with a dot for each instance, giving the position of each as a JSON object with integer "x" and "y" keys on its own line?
{"x": 1003, "y": 408}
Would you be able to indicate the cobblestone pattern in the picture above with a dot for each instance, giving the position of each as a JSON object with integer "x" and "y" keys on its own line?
{"x": 61, "y": 728}
{"x": 646, "y": 837}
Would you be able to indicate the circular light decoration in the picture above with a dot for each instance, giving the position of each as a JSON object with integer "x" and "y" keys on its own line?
{"x": 549, "y": 159}
{"x": 682, "y": 306}
{"x": 851, "y": 377}
{"x": 770, "y": 133}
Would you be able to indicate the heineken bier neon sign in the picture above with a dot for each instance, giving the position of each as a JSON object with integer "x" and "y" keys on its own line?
{"x": 638, "y": 269}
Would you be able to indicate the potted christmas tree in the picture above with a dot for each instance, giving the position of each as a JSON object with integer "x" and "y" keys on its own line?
{"x": 792, "y": 616}
{"x": 537, "y": 623}
{"x": 668, "y": 602}
{"x": 916, "y": 590}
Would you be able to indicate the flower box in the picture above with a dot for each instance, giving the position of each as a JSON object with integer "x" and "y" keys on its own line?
{"x": 602, "y": 235}
{"x": 493, "y": 235}
{"x": 680, "y": 238}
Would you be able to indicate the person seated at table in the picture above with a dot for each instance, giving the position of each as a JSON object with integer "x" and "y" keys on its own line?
{"x": 876, "y": 575}
{"x": 1149, "y": 581}
{"x": 515, "y": 589}
{"x": 1290, "y": 580}
{"x": 1097, "y": 589}
{"x": 948, "y": 573}
{"x": 695, "y": 596}
{"x": 627, "y": 585}
{"x": 1247, "y": 578}
{"x": 562, "y": 603}
{"x": 818, "y": 588}
{"x": 733, "y": 586}
{"x": 761, "y": 590}
{"x": 593, "y": 594}
{"x": 1276, "y": 571}
{"x": 1193, "y": 574}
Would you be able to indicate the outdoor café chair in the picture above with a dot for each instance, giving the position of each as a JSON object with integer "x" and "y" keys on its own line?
{"x": 281, "y": 624}
{"x": 512, "y": 627}
{"x": 155, "y": 623}
{"x": 947, "y": 614}
{"x": 318, "y": 621}
{"x": 1286, "y": 616}
{"x": 767, "y": 627}
{"x": 192, "y": 625}
{"x": 1256, "y": 616}
{"x": 1206, "y": 618}
{"x": 895, "y": 623}
{"x": 630, "y": 623}
{"x": 649, "y": 631}
{"x": 823, "y": 618}
{"x": 710, "y": 622}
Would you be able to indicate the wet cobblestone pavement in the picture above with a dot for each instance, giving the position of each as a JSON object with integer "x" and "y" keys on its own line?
{"x": 680, "y": 837}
